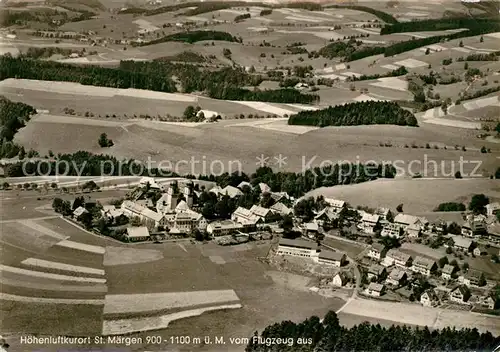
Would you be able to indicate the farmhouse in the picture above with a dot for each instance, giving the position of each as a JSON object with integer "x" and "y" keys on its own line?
{"x": 208, "y": 114}
{"x": 337, "y": 259}
{"x": 335, "y": 203}
{"x": 225, "y": 227}
{"x": 413, "y": 231}
{"x": 492, "y": 209}
{"x": 375, "y": 290}
{"x": 397, "y": 277}
{"x": 340, "y": 279}
{"x": 135, "y": 234}
{"x": 280, "y": 208}
{"x": 423, "y": 266}
{"x": 391, "y": 230}
{"x": 460, "y": 294}
{"x": 297, "y": 248}
{"x": 395, "y": 257}
{"x": 447, "y": 272}
{"x": 369, "y": 223}
{"x": 462, "y": 244}
{"x": 405, "y": 220}
{"x": 377, "y": 251}
{"x": 429, "y": 298}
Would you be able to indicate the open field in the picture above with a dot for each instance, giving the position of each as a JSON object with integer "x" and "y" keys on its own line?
{"x": 415, "y": 314}
{"x": 416, "y": 195}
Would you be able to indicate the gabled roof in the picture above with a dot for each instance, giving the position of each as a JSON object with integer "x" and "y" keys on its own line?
{"x": 276, "y": 196}
{"x": 462, "y": 242}
{"x": 331, "y": 255}
{"x": 375, "y": 287}
{"x": 150, "y": 214}
{"x": 424, "y": 262}
{"x": 264, "y": 187}
{"x": 431, "y": 294}
{"x": 311, "y": 226}
{"x": 79, "y": 211}
{"x": 462, "y": 289}
{"x": 281, "y": 208}
{"x": 225, "y": 224}
{"x": 373, "y": 218}
{"x": 493, "y": 206}
{"x": 243, "y": 184}
{"x": 182, "y": 205}
{"x": 335, "y": 202}
{"x": 259, "y": 211}
{"x": 137, "y": 232}
{"x": 405, "y": 219}
{"x": 328, "y": 212}
{"x": 397, "y": 274}
{"x": 231, "y": 191}
{"x": 448, "y": 269}
{"x": 298, "y": 243}
{"x": 378, "y": 246}
{"x": 246, "y": 215}
{"x": 376, "y": 269}
{"x": 394, "y": 253}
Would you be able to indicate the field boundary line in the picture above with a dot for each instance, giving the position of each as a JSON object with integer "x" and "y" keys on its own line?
{"x": 62, "y": 266}
{"x": 27, "y": 299}
{"x": 41, "y": 274}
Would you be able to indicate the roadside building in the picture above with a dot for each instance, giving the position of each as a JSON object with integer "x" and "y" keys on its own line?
{"x": 474, "y": 226}
{"x": 225, "y": 227}
{"x": 397, "y": 277}
{"x": 460, "y": 295}
{"x": 423, "y": 266}
{"x": 336, "y": 259}
{"x": 311, "y": 229}
{"x": 136, "y": 234}
{"x": 375, "y": 290}
{"x": 486, "y": 302}
{"x": 405, "y": 220}
{"x": 447, "y": 271}
{"x": 429, "y": 298}
{"x": 340, "y": 280}
{"x": 246, "y": 218}
{"x": 297, "y": 248}
{"x": 414, "y": 230}
{"x": 376, "y": 251}
{"x": 261, "y": 212}
{"x": 395, "y": 257}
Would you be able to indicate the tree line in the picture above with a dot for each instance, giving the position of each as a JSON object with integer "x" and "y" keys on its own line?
{"x": 384, "y": 16}
{"x": 192, "y": 37}
{"x": 441, "y": 24}
{"x": 401, "y": 71}
{"x": 358, "y": 113}
{"x": 328, "y": 335}
{"x": 13, "y": 116}
{"x": 88, "y": 75}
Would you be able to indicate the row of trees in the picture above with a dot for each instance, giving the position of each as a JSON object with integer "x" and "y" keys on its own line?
{"x": 394, "y": 73}
{"x": 441, "y": 24}
{"x": 284, "y": 95}
{"x": 359, "y": 113}
{"x": 324, "y": 335}
{"x": 192, "y": 37}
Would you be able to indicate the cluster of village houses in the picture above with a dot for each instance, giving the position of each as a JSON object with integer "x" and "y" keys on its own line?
{"x": 178, "y": 212}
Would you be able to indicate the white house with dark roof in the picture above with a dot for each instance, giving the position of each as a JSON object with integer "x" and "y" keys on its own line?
{"x": 460, "y": 295}
{"x": 429, "y": 298}
{"x": 377, "y": 271}
{"x": 396, "y": 277}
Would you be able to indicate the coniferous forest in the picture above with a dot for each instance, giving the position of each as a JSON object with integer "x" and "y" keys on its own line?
{"x": 314, "y": 335}
{"x": 360, "y": 113}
